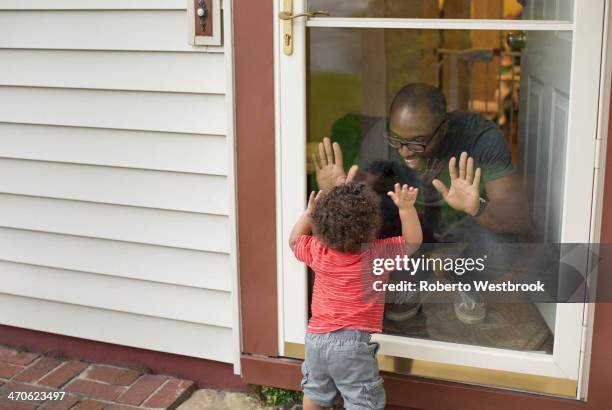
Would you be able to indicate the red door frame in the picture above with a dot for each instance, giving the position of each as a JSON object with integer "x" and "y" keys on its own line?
{"x": 254, "y": 76}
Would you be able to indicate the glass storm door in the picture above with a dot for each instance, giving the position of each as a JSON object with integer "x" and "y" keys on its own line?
{"x": 532, "y": 68}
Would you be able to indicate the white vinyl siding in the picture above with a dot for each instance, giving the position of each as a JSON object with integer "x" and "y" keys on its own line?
{"x": 163, "y": 151}
{"x": 131, "y": 110}
{"x": 129, "y": 30}
{"x": 122, "y": 186}
{"x": 117, "y": 200}
{"x": 172, "y": 72}
{"x": 118, "y": 327}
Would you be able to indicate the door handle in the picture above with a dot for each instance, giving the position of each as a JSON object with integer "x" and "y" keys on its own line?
{"x": 287, "y": 17}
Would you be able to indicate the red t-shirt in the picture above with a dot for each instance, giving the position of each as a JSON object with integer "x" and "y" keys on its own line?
{"x": 343, "y": 297}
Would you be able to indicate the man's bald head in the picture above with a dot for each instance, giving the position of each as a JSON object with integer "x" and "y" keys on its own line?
{"x": 420, "y": 97}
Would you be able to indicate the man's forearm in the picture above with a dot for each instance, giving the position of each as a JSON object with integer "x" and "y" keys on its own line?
{"x": 503, "y": 218}
{"x": 508, "y": 209}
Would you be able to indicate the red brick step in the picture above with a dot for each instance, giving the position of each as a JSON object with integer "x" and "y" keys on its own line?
{"x": 87, "y": 386}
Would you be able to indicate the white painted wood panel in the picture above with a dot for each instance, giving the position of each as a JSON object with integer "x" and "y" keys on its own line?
{"x": 122, "y": 186}
{"x": 145, "y": 71}
{"x": 165, "y": 335}
{"x": 123, "y": 223}
{"x": 117, "y": 258}
{"x": 559, "y": 117}
{"x": 172, "y": 112}
{"x": 204, "y": 154}
{"x": 136, "y": 30}
{"x": 183, "y": 303}
{"x": 92, "y": 5}
{"x": 227, "y": 17}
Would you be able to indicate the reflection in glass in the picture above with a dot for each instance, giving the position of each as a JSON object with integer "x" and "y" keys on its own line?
{"x": 561, "y": 10}
{"x": 507, "y": 89}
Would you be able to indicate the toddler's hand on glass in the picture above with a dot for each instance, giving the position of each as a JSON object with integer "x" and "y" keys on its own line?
{"x": 404, "y": 197}
{"x": 312, "y": 199}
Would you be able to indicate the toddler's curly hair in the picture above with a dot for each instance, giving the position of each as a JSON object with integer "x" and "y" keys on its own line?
{"x": 347, "y": 216}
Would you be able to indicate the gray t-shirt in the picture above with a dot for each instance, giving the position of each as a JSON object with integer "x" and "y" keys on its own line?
{"x": 482, "y": 140}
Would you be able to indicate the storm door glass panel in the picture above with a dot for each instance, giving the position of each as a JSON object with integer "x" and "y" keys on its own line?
{"x": 448, "y": 9}
{"x": 507, "y": 97}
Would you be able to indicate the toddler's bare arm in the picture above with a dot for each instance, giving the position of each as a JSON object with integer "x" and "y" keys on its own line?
{"x": 404, "y": 198}
{"x": 303, "y": 226}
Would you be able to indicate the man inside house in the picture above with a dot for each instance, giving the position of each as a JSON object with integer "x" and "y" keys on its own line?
{"x": 470, "y": 192}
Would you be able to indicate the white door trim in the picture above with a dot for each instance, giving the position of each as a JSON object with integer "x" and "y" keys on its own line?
{"x": 440, "y": 24}
{"x": 605, "y": 93}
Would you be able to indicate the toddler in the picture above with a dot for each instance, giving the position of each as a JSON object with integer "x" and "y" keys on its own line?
{"x": 329, "y": 237}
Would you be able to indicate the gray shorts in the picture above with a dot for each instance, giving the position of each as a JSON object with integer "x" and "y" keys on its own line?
{"x": 343, "y": 361}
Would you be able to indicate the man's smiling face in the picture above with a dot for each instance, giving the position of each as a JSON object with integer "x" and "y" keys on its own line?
{"x": 416, "y": 125}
